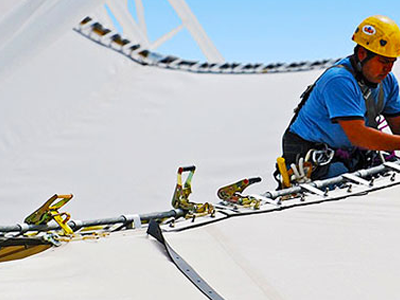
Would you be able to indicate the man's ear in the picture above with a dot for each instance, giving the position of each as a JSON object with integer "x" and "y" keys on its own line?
{"x": 362, "y": 53}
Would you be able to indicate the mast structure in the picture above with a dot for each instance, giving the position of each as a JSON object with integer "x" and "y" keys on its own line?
{"x": 137, "y": 29}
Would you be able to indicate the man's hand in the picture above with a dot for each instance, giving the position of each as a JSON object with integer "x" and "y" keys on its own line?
{"x": 394, "y": 124}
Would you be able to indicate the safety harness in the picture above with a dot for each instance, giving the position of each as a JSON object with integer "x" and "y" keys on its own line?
{"x": 321, "y": 155}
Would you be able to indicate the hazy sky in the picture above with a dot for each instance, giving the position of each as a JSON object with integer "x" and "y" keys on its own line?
{"x": 267, "y": 31}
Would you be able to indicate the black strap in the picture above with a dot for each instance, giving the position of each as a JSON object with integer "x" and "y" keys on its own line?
{"x": 305, "y": 95}
{"x": 155, "y": 231}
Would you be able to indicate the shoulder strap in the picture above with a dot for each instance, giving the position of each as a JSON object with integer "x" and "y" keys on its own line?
{"x": 374, "y": 108}
{"x": 304, "y": 96}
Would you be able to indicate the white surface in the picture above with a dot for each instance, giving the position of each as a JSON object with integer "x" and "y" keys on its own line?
{"x": 340, "y": 250}
{"x": 77, "y": 117}
{"x": 97, "y": 269}
{"x": 32, "y": 26}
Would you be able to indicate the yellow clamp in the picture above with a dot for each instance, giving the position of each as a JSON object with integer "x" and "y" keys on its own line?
{"x": 49, "y": 211}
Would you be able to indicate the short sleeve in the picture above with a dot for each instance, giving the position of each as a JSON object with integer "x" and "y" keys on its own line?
{"x": 343, "y": 99}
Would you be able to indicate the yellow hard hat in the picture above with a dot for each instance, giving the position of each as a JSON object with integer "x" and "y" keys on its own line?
{"x": 380, "y": 35}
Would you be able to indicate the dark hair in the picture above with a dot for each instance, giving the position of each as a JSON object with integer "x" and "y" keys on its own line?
{"x": 370, "y": 54}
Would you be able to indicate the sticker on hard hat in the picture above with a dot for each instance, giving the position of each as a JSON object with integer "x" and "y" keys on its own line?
{"x": 368, "y": 29}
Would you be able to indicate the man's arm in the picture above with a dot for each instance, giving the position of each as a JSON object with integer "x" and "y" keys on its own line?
{"x": 370, "y": 138}
{"x": 394, "y": 124}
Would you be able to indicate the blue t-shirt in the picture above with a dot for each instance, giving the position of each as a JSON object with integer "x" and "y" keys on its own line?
{"x": 337, "y": 96}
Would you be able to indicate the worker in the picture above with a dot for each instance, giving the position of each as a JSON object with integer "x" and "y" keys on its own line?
{"x": 335, "y": 126}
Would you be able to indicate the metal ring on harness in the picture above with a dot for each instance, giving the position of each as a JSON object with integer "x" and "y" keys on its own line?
{"x": 323, "y": 157}
{"x": 320, "y": 157}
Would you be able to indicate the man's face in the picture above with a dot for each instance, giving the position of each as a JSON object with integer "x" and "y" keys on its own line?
{"x": 377, "y": 68}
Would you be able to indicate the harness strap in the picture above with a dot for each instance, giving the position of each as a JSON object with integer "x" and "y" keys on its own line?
{"x": 304, "y": 96}
{"x": 374, "y": 108}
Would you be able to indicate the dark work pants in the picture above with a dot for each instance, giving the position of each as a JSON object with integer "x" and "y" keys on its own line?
{"x": 294, "y": 147}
